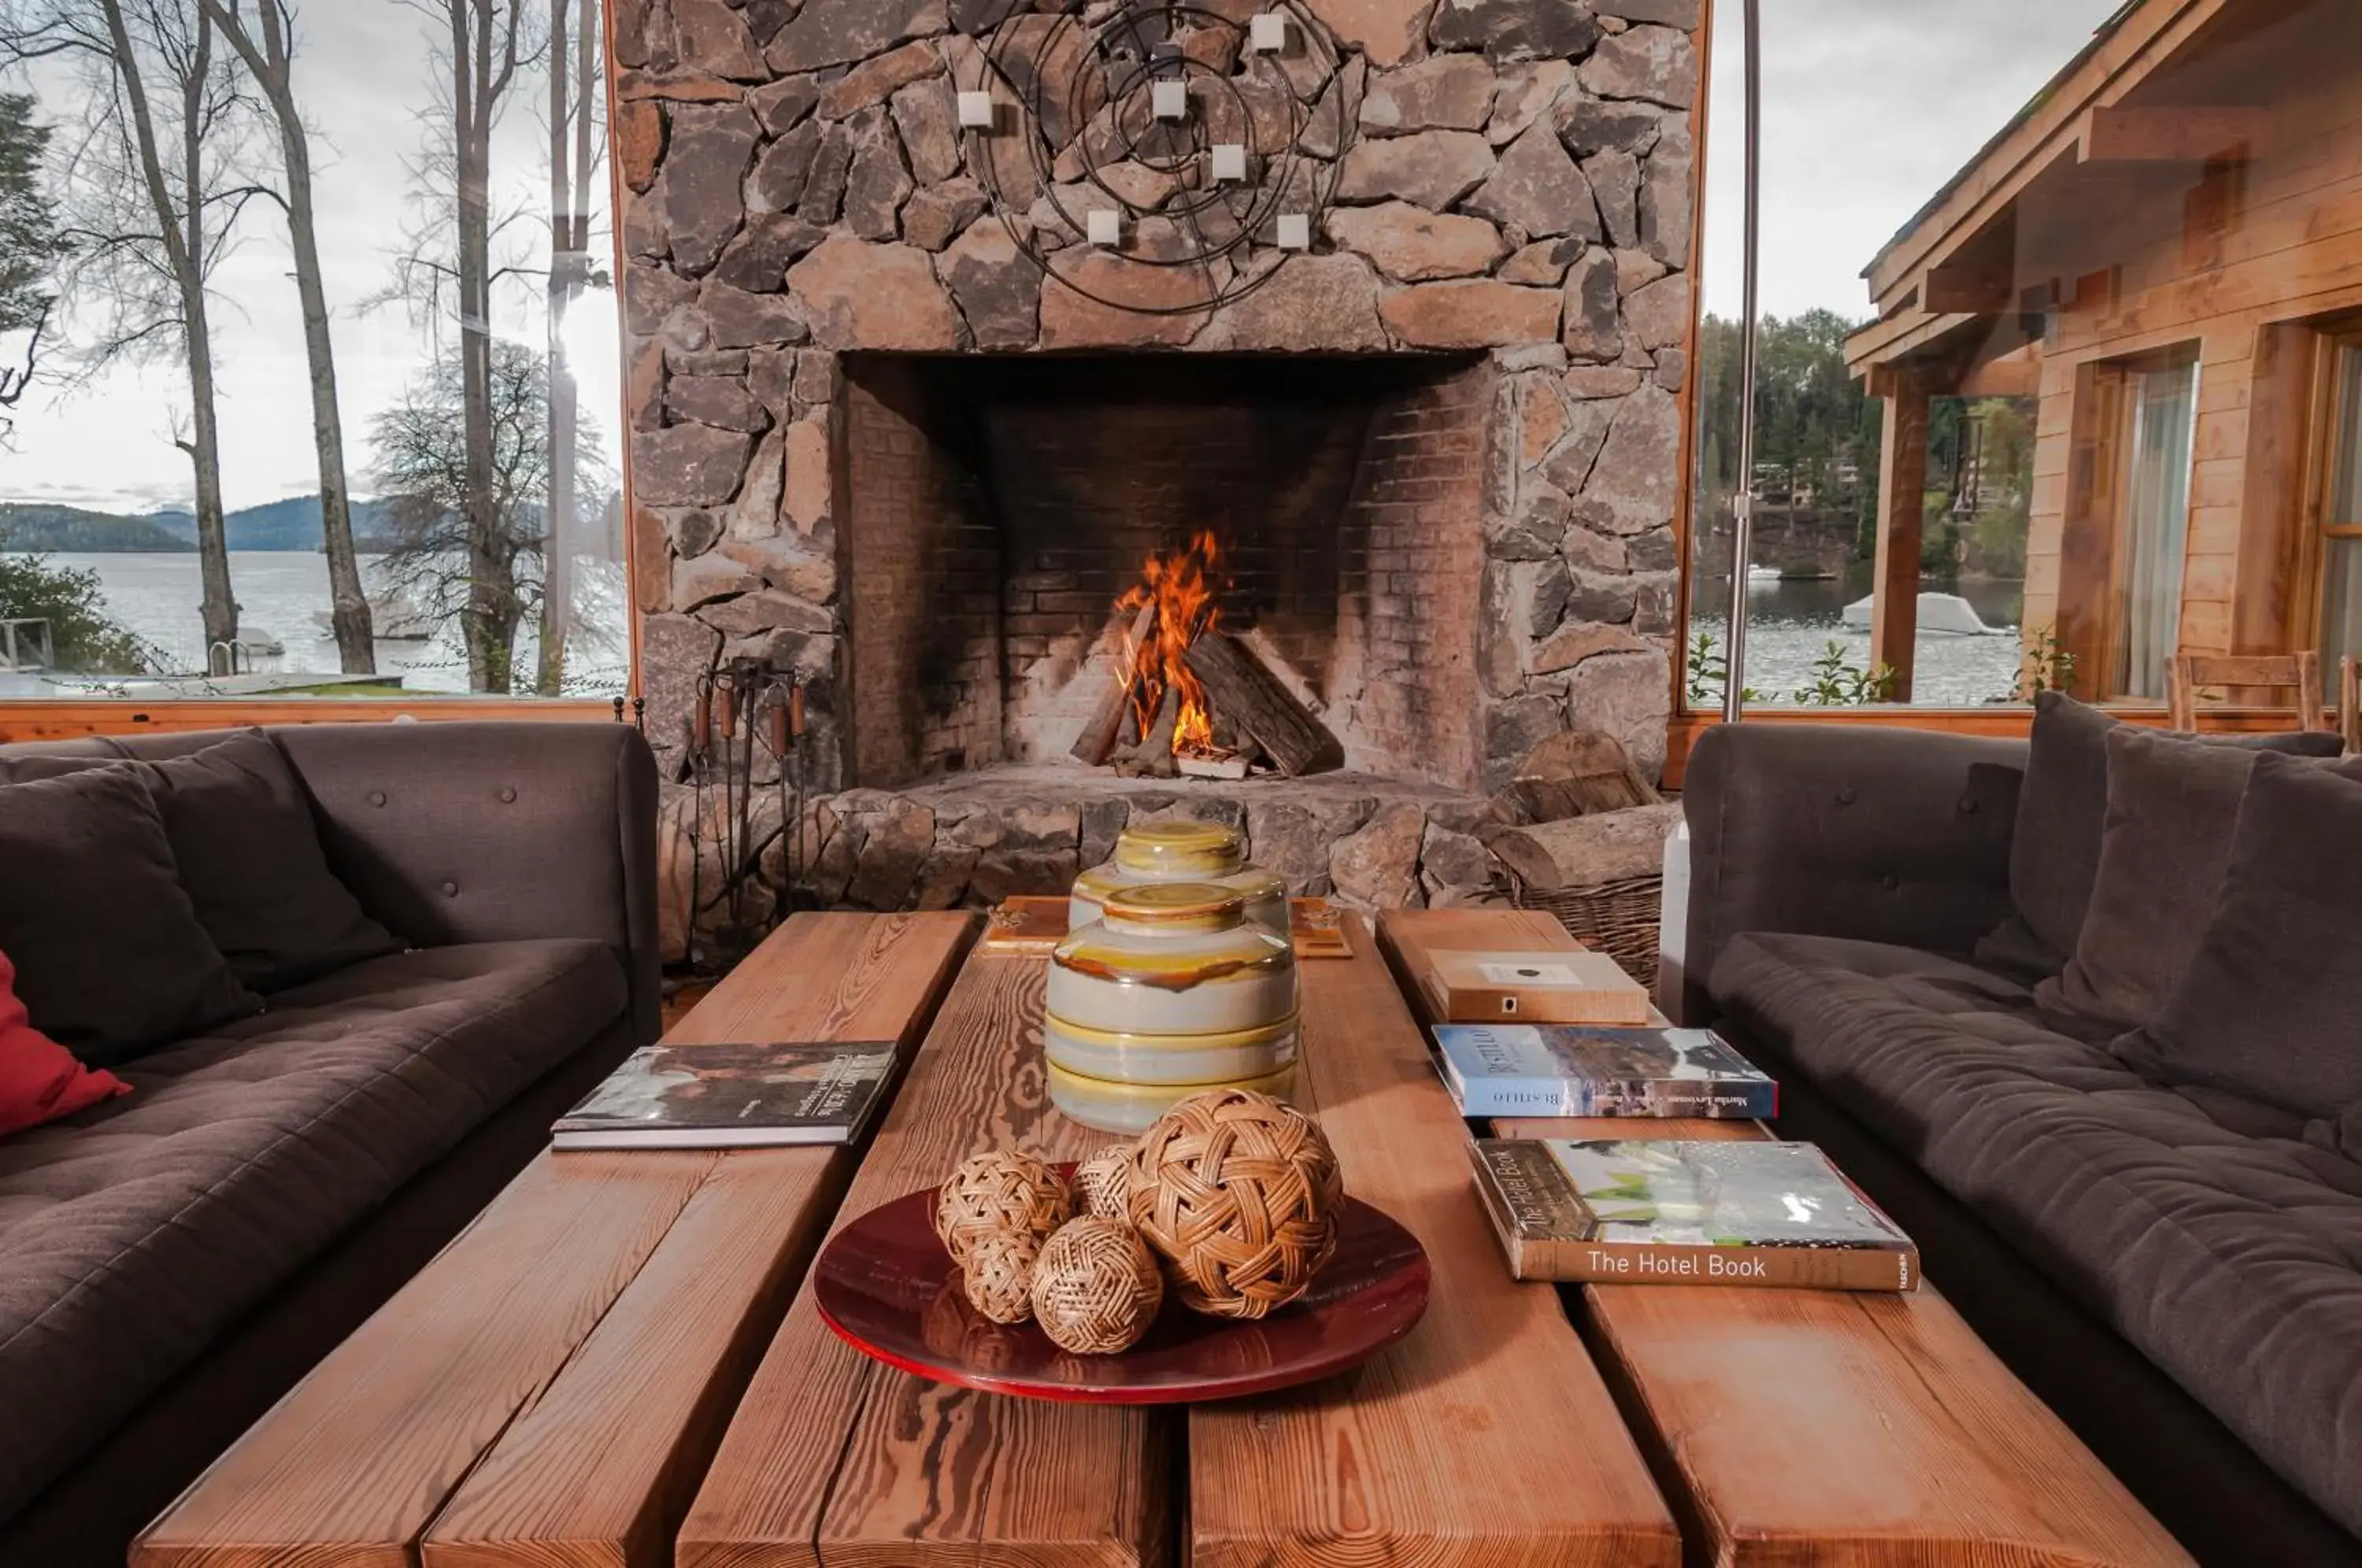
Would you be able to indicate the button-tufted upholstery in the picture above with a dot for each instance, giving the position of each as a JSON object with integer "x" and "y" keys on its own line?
{"x": 136, "y": 1233}
{"x": 2205, "y": 1231}
{"x": 170, "y": 1262}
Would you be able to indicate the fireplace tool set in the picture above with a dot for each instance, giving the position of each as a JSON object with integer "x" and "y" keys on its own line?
{"x": 743, "y": 709}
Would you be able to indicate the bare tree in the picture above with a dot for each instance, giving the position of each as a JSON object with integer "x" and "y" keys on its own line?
{"x": 444, "y": 559}
{"x": 267, "y": 49}
{"x": 451, "y": 273}
{"x": 573, "y": 123}
{"x": 30, "y": 246}
{"x": 154, "y": 190}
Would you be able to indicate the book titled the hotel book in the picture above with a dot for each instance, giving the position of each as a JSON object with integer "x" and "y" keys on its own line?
{"x": 733, "y": 1096}
{"x": 1682, "y": 1213}
{"x": 1565, "y": 1069}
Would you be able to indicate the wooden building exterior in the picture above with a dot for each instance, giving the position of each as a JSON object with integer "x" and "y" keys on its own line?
{"x": 2164, "y": 250}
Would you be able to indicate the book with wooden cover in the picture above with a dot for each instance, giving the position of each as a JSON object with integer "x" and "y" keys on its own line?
{"x": 1568, "y": 1069}
{"x": 1686, "y": 1213}
{"x": 1570, "y": 985}
{"x": 733, "y": 1096}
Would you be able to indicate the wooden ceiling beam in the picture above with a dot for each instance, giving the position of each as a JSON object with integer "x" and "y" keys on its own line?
{"x": 2173, "y": 133}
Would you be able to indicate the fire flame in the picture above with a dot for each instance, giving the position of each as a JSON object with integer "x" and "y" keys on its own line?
{"x": 1182, "y": 586}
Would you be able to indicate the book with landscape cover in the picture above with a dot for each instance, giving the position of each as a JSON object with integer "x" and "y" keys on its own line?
{"x": 1686, "y": 1213}
{"x": 1563, "y": 1069}
{"x": 733, "y": 1096}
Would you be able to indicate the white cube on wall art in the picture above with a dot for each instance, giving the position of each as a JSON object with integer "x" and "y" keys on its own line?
{"x": 1105, "y": 227}
{"x": 976, "y": 109}
{"x": 1268, "y": 32}
{"x": 1170, "y": 100}
{"x": 1229, "y": 161}
{"x": 1295, "y": 231}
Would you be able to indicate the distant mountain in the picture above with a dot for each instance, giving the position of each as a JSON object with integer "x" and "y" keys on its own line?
{"x": 26, "y": 526}
{"x": 290, "y": 525}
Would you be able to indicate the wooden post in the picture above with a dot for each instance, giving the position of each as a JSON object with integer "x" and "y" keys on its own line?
{"x": 1902, "y": 499}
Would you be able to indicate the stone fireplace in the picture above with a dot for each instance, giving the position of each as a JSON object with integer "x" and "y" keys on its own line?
{"x": 905, "y": 424}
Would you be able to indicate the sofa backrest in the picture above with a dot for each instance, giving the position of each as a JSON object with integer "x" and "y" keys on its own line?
{"x": 478, "y": 831}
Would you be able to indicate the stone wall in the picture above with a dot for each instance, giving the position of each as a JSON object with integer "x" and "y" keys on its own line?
{"x": 1517, "y": 179}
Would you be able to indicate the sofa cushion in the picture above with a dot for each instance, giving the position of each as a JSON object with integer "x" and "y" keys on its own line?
{"x": 110, "y": 959}
{"x": 2270, "y": 1004}
{"x": 250, "y": 857}
{"x": 2221, "y": 1245}
{"x": 2054, "y": 855}
{"x": 136, "y": 1233}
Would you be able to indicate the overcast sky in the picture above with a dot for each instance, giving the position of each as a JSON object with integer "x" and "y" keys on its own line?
{"x": 365, "y": 74}
{"x": 1869, "y": 106}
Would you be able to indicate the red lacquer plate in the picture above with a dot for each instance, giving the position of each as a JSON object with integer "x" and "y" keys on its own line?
{"x": 889, "y": 1290}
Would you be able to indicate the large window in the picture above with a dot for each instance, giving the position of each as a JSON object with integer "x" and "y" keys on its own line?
{"x": 2341, "y": 512}
{"x": 2155, "y": 531}
{"x": 308, "y": 351}
{"x": 2051, "y": 291}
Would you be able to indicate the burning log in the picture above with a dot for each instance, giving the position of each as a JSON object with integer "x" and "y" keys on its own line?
{"x": 1098, "y": 740}
{"x": 1153, "y": 758}
{"x": 1250, "y": 696}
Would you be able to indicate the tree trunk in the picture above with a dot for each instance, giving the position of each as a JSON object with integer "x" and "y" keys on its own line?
{"x": 569, "y": 224}
{"x": 183, "y": 237}
{"x": 491, "y": 592}
{"x": 348, "y": 603}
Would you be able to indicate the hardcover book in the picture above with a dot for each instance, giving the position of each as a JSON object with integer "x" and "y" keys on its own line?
{"x": 1559, "y": 1069}
{"x": 733, "y": 1096}
{"x": 1557, "y": 986}
{"x": 1758, "y": 1214}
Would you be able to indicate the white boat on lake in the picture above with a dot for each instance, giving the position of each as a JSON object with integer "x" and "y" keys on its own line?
{"x": 1946, "y": 614}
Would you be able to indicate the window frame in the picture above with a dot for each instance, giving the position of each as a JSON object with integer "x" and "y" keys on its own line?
{"x": 2329, "y": 422}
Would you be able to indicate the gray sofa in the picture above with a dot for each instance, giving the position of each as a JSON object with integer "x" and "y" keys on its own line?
{"x": 2176, "y": 1272}
{"x": 178, "y": 1257}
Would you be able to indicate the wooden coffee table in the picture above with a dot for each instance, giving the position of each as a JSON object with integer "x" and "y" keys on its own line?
{"x": 615, "y": 1365}
{"x": 547, "y": 1390}
{"x": 1486, "y": 1437}
{"x": 1830, "y": 1427}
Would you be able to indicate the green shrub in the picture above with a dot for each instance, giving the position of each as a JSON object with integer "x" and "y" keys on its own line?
{"x": 89, "y": 640}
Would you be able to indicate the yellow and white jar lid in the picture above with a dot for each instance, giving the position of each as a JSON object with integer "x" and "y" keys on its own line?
{"x": 1122, "y": 1056}
{"x": 1181, "y": 848}
{"x": 1133, "y": 1107}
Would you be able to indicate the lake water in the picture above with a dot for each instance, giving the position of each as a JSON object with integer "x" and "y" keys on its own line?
{"x": 1790, "y": 623}
{"x": 279, "y": 591}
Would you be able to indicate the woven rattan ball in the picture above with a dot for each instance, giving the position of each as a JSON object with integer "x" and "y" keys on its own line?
{"x": 1103, "y": 1182}
{"x": 999, "y": 1191}
{"x": 1096, "y": 1287}
{"x": 999, "y": 1275}
{"x": 1240, "y": 1194}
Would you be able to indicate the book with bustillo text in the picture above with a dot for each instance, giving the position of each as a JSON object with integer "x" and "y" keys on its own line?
{"x": 1562, "y": 1069}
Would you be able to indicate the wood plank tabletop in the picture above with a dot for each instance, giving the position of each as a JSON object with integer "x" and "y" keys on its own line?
{"x": 1487, "y": 1437}
{"x": 833, "y": 1457}
{"x": 543, "y": 1390}
{"x": 1858, "y": 1429}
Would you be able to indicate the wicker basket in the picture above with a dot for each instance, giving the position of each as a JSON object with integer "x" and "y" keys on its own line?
{"x": 1619, "y": 919}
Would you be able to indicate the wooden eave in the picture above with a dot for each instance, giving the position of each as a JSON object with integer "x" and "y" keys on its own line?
{"x": 2054, "y": 130}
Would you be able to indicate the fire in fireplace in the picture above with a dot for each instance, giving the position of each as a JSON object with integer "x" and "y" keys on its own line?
{"x": 1188, "y": 698}
{"x": 1209, "y": 566}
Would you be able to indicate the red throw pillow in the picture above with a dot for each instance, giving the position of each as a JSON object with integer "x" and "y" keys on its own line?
{"x": 40, "y": 1080}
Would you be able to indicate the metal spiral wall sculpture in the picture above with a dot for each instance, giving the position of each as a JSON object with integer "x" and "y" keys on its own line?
{"x": 1083, "y": 77}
